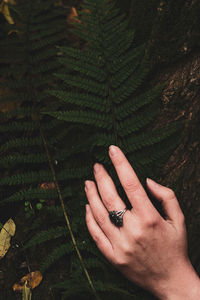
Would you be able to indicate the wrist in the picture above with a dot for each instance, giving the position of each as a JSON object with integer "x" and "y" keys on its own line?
{"x": 184, "y": 284}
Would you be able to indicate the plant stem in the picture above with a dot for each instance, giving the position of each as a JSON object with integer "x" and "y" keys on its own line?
{"x": 66, "y": 216}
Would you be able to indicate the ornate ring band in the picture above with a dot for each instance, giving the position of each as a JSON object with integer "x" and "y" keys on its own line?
{"x": 116, "y": 217}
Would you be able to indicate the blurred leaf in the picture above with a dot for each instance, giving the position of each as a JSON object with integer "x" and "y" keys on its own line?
{"x": 47, "y": 185}
{"x": 4, "y": 9}
{"x": 72, "y": 17}
{"x": 30, "y": 281}
{"x": 39, "y": 206}
{"x": 6, "y": 233}
{"x": 12, "y": 2}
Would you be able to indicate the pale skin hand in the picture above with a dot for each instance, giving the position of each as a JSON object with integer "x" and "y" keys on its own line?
{"x": 149, "y": 250}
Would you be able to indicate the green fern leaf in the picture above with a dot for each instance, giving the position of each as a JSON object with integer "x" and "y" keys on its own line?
{"x": 46, "y": 235}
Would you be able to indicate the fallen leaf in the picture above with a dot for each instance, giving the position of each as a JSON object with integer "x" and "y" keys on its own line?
{"x": 4, "y": 9}
{"x": 6, "y": 233}
{"x": 12, "y": 2}
{"x": 72, "y": 17}
{"x": 32, "y": 280}
{"x": 47, "y": 185}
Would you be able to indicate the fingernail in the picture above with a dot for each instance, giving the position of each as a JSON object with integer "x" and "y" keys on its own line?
{"x": 96, "y": 167}
{"x": 152, "y": 182}
{"x": 113, "y": 150}
{"x": 87, "y": 185}
{"x": 87, "y": 207}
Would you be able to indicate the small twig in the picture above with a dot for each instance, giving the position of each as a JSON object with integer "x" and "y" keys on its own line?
{"x": 66, "y": 216}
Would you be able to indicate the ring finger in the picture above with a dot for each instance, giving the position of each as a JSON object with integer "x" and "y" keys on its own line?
{"x": 99, "y": 211}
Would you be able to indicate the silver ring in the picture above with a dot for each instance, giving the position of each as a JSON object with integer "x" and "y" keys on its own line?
{"x": 116, "y": 217}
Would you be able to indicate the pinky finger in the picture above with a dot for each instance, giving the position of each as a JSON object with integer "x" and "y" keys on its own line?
{"x": 98, "y": 235}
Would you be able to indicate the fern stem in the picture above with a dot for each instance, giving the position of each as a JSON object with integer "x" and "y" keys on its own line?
{"x": 66, "y": 216}
{"x": 110, "y": 99}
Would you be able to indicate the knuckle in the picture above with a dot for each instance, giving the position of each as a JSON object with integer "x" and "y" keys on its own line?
{"x": 121, "y": 261}
{"x": 97, "y": 240}
{"x": 128, "y": 252}
{"x": 170, "y": 193}
{"x": 109, "y": 201}
{"x": 151, "y": 221}
{"x": 101, "y": 220}
{"x": 118, "y": 163}
{"x": 130, "y": 185}
{"x": 124, "y": 253}
{"x": 118, "y": 160}
{"x": 99, "y": 175}
{"x": 138, "y": 236}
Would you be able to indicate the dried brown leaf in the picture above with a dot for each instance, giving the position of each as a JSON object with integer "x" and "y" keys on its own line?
{"x": 6, "y": 233}
{"x": 32, "y": 279}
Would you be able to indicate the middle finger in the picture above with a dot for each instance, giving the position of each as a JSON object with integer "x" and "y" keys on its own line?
{"x": 129, "y": 180}
{"x": 107, "y": 189}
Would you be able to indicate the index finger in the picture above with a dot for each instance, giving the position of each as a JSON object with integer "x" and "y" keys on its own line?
{"x": 128, "y": 178}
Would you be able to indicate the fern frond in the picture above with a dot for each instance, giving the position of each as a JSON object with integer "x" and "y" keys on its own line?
{"x": 142, "y": 119}
{"x": 27, "y": 177}
{"x": 84, "y": 68}
{"x": 94, "y": 58}
{"x": 40, "y": 35}
{"x": 18, "y": 142}
{"x": 80, "y": 99}
{"x": 70, "y": 173}
{"x": 46, "y": 42}
{"x": 19, "y": 158}
{"x": 46, "y": 235}
{"x": 87, "y": 85}
{"x": 129, "y": 57}
{"x": 132, "y": 105}
{"x": 84, "y": 117}
{"x": 132, "y": 83}
{"x": 150, "y": 138}
{"x": 30, "y": 194}
{"x": 50, "y": 66}
{"x": 55, "y": 255}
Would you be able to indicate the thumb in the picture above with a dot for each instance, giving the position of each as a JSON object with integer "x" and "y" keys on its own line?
{"x": 168, "y": 200}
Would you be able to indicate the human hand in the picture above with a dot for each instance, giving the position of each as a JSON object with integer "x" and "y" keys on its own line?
{"x": 149, "y": 250}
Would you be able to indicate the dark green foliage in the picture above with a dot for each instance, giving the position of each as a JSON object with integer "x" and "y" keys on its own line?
{"x": 103, "y": 96}
{"x": 27, "y": 62}
{"x": 97, "y": 98}
{"x": 26, "y": 71}
{"x": 103, "y": 90}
